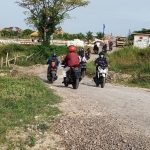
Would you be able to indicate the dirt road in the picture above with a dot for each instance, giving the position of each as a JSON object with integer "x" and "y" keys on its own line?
{"x": 113, "y": 117}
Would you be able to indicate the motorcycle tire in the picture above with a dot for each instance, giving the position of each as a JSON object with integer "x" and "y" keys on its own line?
{"x": 83, "y": 74}
{"x": 75, "y": 85}
{"x": 52, "y": 80}
{"x": 97, "y": 84}
{"x": 66, "y": 84}
{"x": 103, "y": 83}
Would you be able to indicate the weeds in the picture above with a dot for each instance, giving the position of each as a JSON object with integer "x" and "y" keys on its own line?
{"x": 21, "y": 99}
{"x": 129, "y": 60}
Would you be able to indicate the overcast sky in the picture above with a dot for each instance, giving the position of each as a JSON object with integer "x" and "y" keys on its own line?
{"x": 118, "y": 16}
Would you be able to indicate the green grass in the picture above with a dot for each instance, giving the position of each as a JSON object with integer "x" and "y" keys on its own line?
{"x": 129, "y": 60}
{"x": 21, "y": 99}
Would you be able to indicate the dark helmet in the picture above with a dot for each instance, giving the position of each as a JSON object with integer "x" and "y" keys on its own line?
{"x": 101, "y": 54}
{"x": 54, "y": 55}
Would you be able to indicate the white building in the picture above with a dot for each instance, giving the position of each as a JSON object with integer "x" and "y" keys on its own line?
{"x": 141, "y": 40}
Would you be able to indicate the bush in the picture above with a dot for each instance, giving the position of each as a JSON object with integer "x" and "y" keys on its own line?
{"x": 40, "y": 53}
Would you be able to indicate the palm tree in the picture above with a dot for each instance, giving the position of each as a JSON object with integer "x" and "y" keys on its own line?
{"x": 80, "y": 36}
{"x": 99, "y": 35}
{"x": 89, "y": 36}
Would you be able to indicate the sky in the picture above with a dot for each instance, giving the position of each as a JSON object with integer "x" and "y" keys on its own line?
{"x": 118, "y": 16}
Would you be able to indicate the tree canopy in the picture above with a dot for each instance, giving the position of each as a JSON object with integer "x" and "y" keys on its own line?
{"x": 45, "y": 15}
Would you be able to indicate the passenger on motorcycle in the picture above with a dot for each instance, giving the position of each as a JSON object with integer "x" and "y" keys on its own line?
{"x": 52, "y": 62}
{"x": 71, "y": 60}
{"x": 81, "y": 51}
{"x": 101, "y": 61}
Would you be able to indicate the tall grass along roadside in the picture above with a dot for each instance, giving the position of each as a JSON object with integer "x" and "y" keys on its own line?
{"x": 129, "y": 60}
{"x": 21, "y": 99}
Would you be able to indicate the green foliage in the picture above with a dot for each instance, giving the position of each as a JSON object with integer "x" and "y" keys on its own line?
{"x": 129, "y": 60}
{"x": 21, "y": 99}
{"x": 133, "y": 61}
{"x": 26, "y": 33}
{"x": 90, "y": 70}
{"x": 30, "y": 141}
{"x": 145, "y": 31}
{"x": 89, "y": 36}
{"x": 40, "y": 53}
{"x": 99, "y": 35}
{"x": 47, "y": 15}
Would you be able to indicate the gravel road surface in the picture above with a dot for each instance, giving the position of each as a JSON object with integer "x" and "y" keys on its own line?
{"x": 109, "y": 118}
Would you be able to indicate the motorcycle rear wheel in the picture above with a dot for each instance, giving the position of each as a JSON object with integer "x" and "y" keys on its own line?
{"x": 75, "y": 85}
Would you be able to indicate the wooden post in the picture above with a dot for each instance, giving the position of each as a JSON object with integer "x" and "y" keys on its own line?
{"x": 6, "y": 59}
{"x": 8, "y": 64}
{"x": 1, "y": 62}
{"x": 15, "y": 59}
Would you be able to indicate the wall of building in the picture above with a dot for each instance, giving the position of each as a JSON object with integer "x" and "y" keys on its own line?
{"x": 141, "y": 41}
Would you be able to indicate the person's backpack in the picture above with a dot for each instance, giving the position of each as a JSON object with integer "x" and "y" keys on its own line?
{"x": 53, "y": 63}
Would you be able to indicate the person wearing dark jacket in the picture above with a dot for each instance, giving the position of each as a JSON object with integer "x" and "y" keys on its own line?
{"x": 71, "y": 60}
{"x": 81, "y": 52}
{"x": 101, "y": 61}
{"x": 50, "y": 60}
{"x": 96, "y": 48}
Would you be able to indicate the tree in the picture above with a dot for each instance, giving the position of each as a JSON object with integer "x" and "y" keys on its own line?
{"x": 81, "y": 36}
{"x": 27, "y": 32}
{"x": 89, "y": 36}
{"x": 46, "y": 15}
{"x": 99, "y": 35}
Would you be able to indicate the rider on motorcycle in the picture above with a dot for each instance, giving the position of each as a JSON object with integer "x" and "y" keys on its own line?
{"x": 71, "y": 60}
{"x": 101, "y": 61}
{"x": 88, "y": 53}
{"x": 95, "y": 48}
{"x": 50, "y": 62}
{"x": 104, "y": 48}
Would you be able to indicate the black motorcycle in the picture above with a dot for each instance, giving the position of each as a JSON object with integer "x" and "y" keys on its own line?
{"x": 73, "y": 77}
{"x": 52, "y": 75}
{"x": 87, "y": 55}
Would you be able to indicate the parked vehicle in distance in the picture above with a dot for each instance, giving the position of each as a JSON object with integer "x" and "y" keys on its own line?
{"x": 121, "y": 41}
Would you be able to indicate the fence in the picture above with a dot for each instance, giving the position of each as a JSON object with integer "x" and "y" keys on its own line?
{"x": 7, "y": 61}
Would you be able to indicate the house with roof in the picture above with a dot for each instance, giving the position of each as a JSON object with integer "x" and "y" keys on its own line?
{"x": 141, "y": 40}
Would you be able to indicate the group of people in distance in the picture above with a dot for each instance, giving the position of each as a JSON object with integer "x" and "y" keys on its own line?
{"x": 73, "y": 59}
{"x": 104, "y": 47}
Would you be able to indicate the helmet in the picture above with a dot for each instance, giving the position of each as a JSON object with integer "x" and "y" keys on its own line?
{"x": 53, "y": 55}
{"x": 101, "y": 54}
{"x": 72, "y": 48}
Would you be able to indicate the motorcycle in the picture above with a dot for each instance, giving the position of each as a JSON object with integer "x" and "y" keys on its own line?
{"x": 110, "y": 48}
{"x": 96, "y": 51}
{"x": 87, "y": 55}
{"x": 101, "y": 75}
{"x": 83, "y": 69}
{"x": 73, "y": 77}
{"x": 52, "y": 75}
